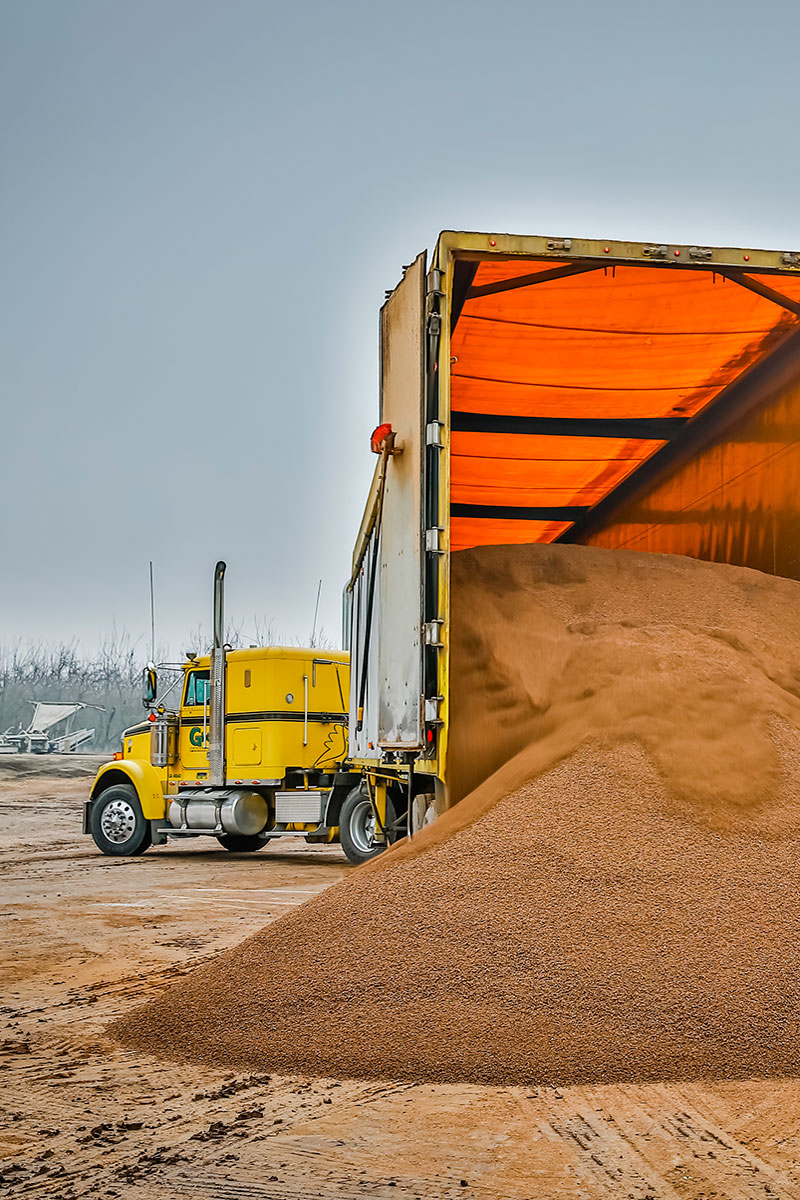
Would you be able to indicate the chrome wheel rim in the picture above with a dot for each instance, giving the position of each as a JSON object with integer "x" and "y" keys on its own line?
{"x": 118, "y": 821}
{"x": 362, "y": 827}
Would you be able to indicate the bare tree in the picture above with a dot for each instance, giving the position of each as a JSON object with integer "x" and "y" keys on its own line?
{"x": 110, "y": 676}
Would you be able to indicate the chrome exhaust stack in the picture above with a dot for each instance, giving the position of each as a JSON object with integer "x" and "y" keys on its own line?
{"x": 216, "y": 725}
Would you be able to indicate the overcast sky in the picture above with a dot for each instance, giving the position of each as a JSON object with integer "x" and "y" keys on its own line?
{"x": 202, "y": 204}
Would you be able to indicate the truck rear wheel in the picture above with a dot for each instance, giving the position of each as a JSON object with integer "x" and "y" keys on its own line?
{"x": 358, "y": 827}
{"x": 117, "y": 824}
{"x": 240, "y": 842}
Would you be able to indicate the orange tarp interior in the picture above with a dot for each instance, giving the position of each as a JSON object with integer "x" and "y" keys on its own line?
{"x": 624, "y": 342}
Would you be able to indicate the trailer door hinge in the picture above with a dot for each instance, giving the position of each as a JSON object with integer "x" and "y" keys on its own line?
{"x": 433, "y": 540}
{"x": 703, "y": 252}
{"x": 654, "y": 251}
{"x": 434, "y": 434}
{"x": 435, "y": 282}
{"x": 559, "y": 243}
{"x": 789, "y": 259}
{"x": 432, "y": 631}
{"x": 434, "y": 324}
{"x": 432, "y": 707}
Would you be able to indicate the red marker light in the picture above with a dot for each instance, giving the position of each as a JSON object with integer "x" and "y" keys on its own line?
{"x": 379, "y": 436}
{"x": 606, "y": 249}
{"x": 747, "y": 258}
{"x": 430, "y": 735}
{"x": 492, "y": 242}
{"x": 677, "y": 253}
{"x": 152, "y": 717}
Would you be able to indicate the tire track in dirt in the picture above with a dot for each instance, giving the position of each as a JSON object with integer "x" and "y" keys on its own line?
{"x": 717, "y": 1153}
{"x": 649, "y": 1153}
{"x": 226, "y": 1189}
{"x": 602, "y": 1154}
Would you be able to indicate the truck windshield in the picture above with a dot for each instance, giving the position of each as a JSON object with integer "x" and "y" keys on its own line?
{"x": 197, "y": 687}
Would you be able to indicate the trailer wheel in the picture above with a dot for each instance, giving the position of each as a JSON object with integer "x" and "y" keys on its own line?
{"x": 241, "y": 843}
{"x": 357, "y": 827}
{"x": 117, "y": 824}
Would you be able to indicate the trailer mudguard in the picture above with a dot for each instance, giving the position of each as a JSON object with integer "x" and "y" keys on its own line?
{"x": 144, "y": 778}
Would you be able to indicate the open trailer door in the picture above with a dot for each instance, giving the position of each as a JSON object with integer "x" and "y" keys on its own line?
{"x": 399, "y": 646}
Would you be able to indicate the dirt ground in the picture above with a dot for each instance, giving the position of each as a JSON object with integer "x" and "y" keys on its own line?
{"x": 87, "y": 938}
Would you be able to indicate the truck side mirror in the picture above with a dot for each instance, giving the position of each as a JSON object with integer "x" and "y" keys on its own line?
{"x": 150, "y": 685}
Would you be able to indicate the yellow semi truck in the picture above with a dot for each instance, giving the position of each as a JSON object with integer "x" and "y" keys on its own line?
{"x": 252, "y": 752}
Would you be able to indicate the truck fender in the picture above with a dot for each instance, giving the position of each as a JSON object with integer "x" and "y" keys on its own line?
{"x": 143, "y": 777}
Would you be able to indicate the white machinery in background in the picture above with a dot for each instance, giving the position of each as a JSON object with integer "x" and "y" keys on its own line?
{"x": 41, "y": 737}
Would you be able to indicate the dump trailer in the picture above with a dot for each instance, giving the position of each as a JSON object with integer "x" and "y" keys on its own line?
{"x": 251, "y": 750}
{"x": 535, "y": 389}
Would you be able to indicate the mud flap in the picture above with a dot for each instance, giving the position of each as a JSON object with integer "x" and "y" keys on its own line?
{"x": 159, "y": 838}
{"x": 424, "y": 811}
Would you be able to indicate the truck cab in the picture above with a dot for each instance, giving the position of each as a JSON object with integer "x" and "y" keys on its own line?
{"x": 284, "y": 740}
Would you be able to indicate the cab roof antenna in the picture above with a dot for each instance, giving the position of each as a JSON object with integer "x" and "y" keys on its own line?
{"x": 152, "y": 617}
{"x": 316, "y": 612}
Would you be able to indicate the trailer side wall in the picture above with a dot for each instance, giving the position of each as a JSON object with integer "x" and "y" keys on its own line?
{"x": 734, "y": 501}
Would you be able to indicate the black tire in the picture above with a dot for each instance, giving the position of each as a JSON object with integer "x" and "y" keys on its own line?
{"x": 241, "y": 843}
{"x": 356, "y": 827}
{"x": 117, "y": 824}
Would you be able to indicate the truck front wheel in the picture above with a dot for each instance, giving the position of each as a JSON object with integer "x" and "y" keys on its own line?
{"x": 358, "y": 827}
{"x": 117, "y": 824}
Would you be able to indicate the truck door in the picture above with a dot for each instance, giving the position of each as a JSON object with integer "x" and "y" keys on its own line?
{"x": 400, "y": 582}
{"x": 193, "y": 737}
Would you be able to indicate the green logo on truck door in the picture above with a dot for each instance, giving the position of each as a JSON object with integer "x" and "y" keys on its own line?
{"x": 196, "y": 736}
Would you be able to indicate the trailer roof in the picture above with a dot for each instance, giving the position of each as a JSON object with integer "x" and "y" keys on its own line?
{"x": 570, "y": 368}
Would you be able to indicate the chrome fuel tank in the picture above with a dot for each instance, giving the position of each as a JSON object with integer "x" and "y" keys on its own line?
{"x": 245, "y": 813}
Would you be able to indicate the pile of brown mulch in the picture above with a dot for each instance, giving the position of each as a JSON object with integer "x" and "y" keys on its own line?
{"x": 619, "y": 896}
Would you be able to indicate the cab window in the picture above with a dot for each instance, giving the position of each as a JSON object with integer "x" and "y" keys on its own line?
{"x": 197, "y": 685}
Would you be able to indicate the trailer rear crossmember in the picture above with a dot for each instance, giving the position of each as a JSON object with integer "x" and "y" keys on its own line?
{"x": 659, "y": 429}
